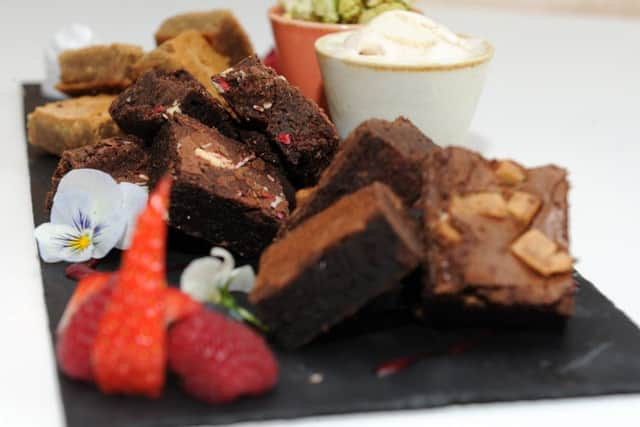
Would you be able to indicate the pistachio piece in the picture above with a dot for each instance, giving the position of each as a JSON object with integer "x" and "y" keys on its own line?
{"x": 510, "y": 173}
{"x": 542, "y": 254}
{"x": 523, "y": 206}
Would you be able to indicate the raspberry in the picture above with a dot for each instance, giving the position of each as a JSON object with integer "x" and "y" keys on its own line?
{"x": 219, "y": 359}
{"x": 76, "y": 339}
{"x": 85, "y": 288}
{"x": 178, "y": 305}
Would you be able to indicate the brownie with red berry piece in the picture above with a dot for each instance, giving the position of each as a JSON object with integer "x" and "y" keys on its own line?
{"x": 303, "y": 134}
{"x": 223, "y": 192}
{"x": 145, "y": 105}
{"x": 335, "y": 263}
{"x": 497, "y": 241}
{"x": 124, "y": 158}
{"x": 388, "y": 152}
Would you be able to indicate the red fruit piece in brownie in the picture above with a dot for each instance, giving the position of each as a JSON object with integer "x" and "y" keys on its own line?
{"x": 219, "y": 359}
{"x": 222, "y": 192}
{"x": 388, "y": 152}
{"x": 129, "y": 354}
{"x": 497, "y": 246}
{"x": 301, "y": 131}
{"x": 332, "y": 265}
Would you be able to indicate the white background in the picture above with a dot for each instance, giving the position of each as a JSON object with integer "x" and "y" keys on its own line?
{"x": 561, "y": 89}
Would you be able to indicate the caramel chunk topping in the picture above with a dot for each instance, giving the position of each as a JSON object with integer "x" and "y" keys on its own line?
{"x": 523, "y": 206}
{"x": 509, "y": 173}
{"x": 541, "y": 253}
{"x": 488, "y": 204}
{"x": 446, "y": 232}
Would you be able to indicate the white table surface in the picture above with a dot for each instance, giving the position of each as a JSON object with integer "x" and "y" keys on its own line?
{"x": 562, "y": 89}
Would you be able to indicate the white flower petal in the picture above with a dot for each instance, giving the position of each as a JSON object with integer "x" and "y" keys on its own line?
{"x": 242, "y": 279}
{"x": 73, "y": 208}
{"x": 108, "y": 232}
{"x": 102, "y": 188}
{"x": 134, "y": 201}
{"x": 198, "y": 279}
{"x": 228, "y": 263}
{"x": 51, "y": 240}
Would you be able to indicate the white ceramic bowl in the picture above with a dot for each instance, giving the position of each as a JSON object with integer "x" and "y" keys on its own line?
{"x": 438, "y": 99}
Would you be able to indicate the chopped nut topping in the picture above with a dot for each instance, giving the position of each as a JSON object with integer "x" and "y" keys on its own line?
{"x": 488, "y": 204}
{"x": 541, "y": 253}
{"x": 276, "y": 202}
{"x": 446, "y": 232}
{"x": 523, "y": 206}
{"x": 509, "y": 173}
{"x": 215, "y": 159}
{"x": 220, "y": 84}
{"x": 259, "y": 108}
{"x": 244, "y": 161}
{"x": 267, "y": 105}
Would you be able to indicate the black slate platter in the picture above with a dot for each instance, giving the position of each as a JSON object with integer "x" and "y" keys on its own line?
{"x": 598, "y": 353}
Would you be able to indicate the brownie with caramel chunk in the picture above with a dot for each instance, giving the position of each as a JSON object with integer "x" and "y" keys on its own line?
{"x": 301, "y": 131}
{"x": 497, "y": 241}
{"x": 388, "y": 152}
{"x": 222, "y": 191}
{"x": 332, "y": 265}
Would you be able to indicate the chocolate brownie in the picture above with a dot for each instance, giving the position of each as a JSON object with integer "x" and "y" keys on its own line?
{"x": 378, "y": 150}
{"x": 328, "y": 268}
{"x": 303, "y": 134}
{"x": 124, "y": 158}
{"x": 220, "y": 27}
{"x": 222, "y": 191}
{"x": 144, "y": 107}
{"x": 497, "y": 241}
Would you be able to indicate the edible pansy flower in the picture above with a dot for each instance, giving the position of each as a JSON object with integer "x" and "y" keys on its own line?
{"x": 212, "y": 279}
{"x": 91, "y": 214}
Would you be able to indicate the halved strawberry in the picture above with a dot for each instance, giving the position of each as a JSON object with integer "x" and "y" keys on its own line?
{"x": 129, "y": 355}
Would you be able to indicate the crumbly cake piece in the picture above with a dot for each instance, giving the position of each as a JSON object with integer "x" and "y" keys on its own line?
{"x": 124, "y": 158}
{"x": 303, "y": 134}
{"x": 97, "y": 69}
{"x": 222, "y": 191}
{"x": 220, "y": 27}
{"x": 332, "y": 265}
{"x": 388, "y": 152}
{"x": 71, "y": 123}
{"x": 497, "y": 241}
{"x": 189, "y": 51}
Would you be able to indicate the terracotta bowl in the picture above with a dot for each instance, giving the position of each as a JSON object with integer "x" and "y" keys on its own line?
{"x": 295, "y": 41}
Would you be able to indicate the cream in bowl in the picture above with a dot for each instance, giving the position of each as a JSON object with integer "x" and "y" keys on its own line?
{"x": 404, "y": 64}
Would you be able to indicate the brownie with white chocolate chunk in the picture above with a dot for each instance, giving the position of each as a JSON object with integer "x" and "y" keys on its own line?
{"x": 222, "y": 191}
{"x": 301, "y": 132}
{"x": 497, "y": 245}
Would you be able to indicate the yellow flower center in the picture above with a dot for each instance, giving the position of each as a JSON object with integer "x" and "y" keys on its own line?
{"x": 80, "y": 243}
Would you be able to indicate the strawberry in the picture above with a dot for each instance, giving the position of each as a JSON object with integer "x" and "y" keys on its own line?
{"x": 77, "y": 336}
{"x": 84, "y": 289}
{"x": 129, "y": 354}
{"x": 178, "y": 305}
{"x": 219, "y": 359}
